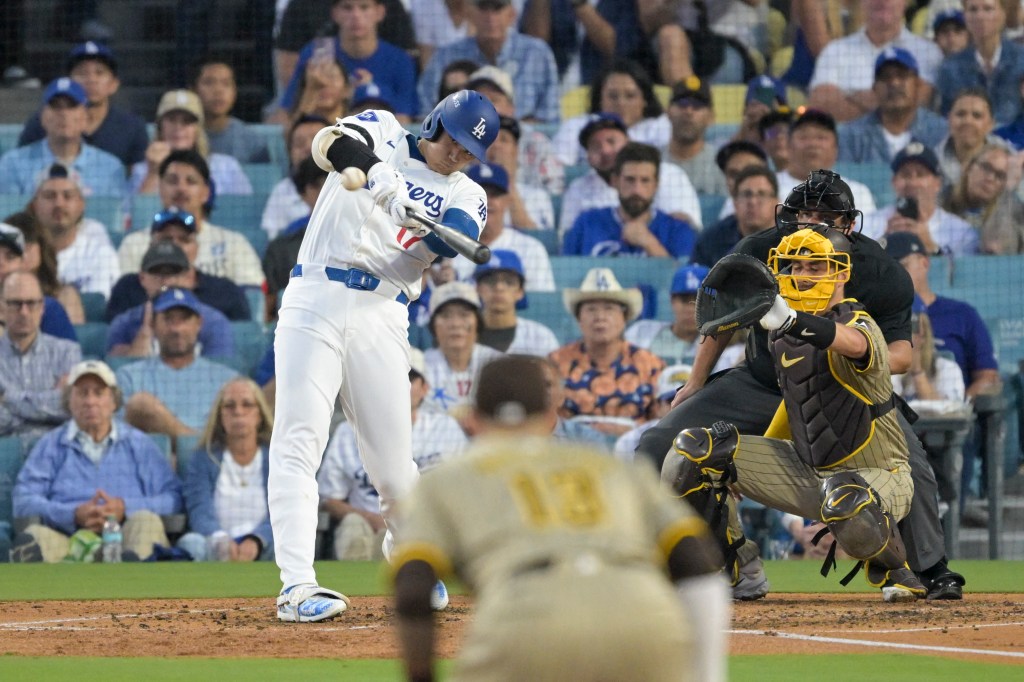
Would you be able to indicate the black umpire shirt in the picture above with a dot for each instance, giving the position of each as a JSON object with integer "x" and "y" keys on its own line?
{"x": 877, "y": 280}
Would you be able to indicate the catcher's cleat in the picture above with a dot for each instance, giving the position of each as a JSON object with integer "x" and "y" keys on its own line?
{"x": 309, "y": 604}
{"x": 439, "y": 597}
{"x": 752, "y": 582}
{"x": 898, "y": 584}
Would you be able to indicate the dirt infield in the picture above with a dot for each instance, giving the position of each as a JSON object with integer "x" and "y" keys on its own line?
{"x": 987, "y": 627}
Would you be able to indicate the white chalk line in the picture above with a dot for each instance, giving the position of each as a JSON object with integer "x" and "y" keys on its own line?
{"x": 934, "y": 628}
{"x": 883, "y": 645}
{"x": 56, "y": 623}
{"x": 111, "y": 616}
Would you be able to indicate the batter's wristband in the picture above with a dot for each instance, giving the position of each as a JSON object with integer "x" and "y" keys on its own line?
{"x": 820, "y": 332}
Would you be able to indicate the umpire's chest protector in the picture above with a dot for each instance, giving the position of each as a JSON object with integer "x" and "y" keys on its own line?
{"x": 829, "y": 421}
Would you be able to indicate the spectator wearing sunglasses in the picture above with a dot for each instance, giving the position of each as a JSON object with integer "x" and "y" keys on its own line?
{"x": 177, "y": 226}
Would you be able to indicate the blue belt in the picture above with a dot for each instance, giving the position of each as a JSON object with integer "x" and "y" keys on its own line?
{"x": 354, "y": 278}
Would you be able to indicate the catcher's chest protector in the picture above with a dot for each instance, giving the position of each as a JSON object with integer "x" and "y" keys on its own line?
{"x": 827, "y": 420}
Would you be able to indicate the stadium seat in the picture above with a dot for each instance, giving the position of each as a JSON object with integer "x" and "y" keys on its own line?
{"x": 576, "y": 102}
{"x": 250, "y": 345}
{"x": 547, "y": 308}
{"x": 263, "y": 177}
{"x": 11, "y": 203}
{"x": 242, "y": 214}
{"x": 877, "y": 177}
{"x": 274, "y": 136}
{"x": 107, "y": 210}
{"x": 254, "y": 295}
{"x": 144, "y": 207}
{"x": 11, "y": 459}
{"x": 9, "y": 133}
{"x": 186, "y": 448}
{"x": 92, "y": 337}
{"x": 95, "y": 305}
{"x": 163, "y": 441}
{"x": 728, "y": 102}
{"x": 710, "y": 207}
{"x": 549, "y": 238}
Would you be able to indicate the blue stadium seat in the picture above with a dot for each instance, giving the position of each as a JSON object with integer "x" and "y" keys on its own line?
{"x": 95, "y": 305}
{"x": 107, "y": 210}
{"x": 570, "y": 270}
{"x": 11, "y": 459}
{"x": 547, "y": 308}
{"x": 254, "y": 295}
{"x": 11, "y": 203}
{"x": 710, "y": 207}
{"x": 263, "y": 177}
{"x": 186, "y": 448}
{"x": 250, "y": 345}
{"x": 242, "y": 214}
{"x": 163, "y": 441}
{"x": 1008, "y": 340}
{"x": 143, "y": 208}
{"x": 9, "y": 133}
{"x": 92, "y": 337}
{"x": 274, "y": 136}
{"x": 549, "y": 238}
{"x": 877, "y": 177}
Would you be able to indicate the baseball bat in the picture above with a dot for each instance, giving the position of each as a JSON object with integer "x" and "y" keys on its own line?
{"x": 467, "y": 246}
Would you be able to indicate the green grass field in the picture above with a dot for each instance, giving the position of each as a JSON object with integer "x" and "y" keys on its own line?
{"x": 186, "y": 580}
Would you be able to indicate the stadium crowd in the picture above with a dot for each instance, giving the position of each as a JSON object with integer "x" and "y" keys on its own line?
{"x": 640, "y": 140}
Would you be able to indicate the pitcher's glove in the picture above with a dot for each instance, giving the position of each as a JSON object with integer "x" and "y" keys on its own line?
{"x": 736, "y": 293}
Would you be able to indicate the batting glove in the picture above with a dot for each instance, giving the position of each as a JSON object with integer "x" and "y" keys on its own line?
{"x": 779, "y": 316}
{"x": 395, "y": 207}
{"x": 387, "y": 185}
{"x": 322, "y": 141}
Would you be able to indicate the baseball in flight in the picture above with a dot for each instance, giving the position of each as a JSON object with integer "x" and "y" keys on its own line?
{"x": 353, "y": 178}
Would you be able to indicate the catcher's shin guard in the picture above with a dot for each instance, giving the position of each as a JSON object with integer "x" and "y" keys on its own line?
{"x": 865, "y": 531}
{"x": 700, "y": 474}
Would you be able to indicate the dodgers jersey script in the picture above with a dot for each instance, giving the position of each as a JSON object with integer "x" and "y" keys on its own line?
{"x": 344, "y": 230}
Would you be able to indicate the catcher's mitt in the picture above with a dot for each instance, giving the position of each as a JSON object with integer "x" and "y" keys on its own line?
{"x": 737, "y": 292}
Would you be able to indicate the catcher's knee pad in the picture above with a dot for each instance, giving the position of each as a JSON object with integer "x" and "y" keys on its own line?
{"x": 852, "y": 512}
{"x": 711, "y": 451}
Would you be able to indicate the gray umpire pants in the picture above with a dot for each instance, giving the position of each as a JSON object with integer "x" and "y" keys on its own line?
{"x": 736, "y": 396}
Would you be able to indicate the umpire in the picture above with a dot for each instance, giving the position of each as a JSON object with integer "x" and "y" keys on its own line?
{"x": 749, "y": 395}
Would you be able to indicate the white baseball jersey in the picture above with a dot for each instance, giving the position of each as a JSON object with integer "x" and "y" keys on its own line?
{"x": 533, "y": 338}
{"x": 90, "y": 263}
{"x": 355, "y": 233}
{"x": 342, "y": 476}
{"x": 336, "y": 340}
{"x": 450, "y": 389}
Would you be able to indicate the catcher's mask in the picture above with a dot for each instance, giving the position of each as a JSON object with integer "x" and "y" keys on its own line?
{"x": 824, "y": 255}
{"x": 825, "y": 193}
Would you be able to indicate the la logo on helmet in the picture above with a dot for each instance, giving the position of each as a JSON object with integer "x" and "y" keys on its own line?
{"x": 480, "y": 129}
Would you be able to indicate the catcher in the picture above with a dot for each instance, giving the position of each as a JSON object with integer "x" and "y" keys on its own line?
{"x": 847, "y": 463}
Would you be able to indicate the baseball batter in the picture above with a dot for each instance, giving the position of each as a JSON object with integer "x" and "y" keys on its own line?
{"x": 564, "y": 550}
{"x": 344, "y": 323}
{"x": 847, "y": 462}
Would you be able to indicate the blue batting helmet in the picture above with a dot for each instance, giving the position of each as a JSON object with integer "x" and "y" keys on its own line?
{"x": 469, "y": 118}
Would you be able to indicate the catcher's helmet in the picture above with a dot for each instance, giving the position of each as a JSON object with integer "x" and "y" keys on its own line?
{"x": 469, "y": 118}
{"x": 822, "y": 245}
{"x": 824, "y": 192}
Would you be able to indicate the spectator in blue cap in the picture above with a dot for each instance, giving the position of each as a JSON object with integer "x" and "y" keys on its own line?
{"x": 131, "y": 332}
{"x": 951, "y": 32}
{"x": 917, "y": 182}
{"x": 634, "y": 226}
{"x": 64, "y": 119}
{"x": 898, "y": 119}
{"x": 674, "y": 341}
{"x": 993, "y": 62}
{"x": 501, "y": 284}
{"x": 111, "y": 128}
{"x": 764, "y": 95}
{"x": 498, "y": 234}
{"x": 171, "y": 392}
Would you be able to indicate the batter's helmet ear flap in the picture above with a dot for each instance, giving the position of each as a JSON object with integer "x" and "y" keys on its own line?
{"x": 469, "y": 118}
